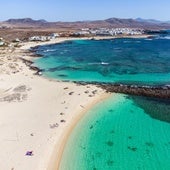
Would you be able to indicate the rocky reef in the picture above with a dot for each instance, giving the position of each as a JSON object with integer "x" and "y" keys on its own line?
{"x": 29, "y": 64}
{"x": 159, "y": 91}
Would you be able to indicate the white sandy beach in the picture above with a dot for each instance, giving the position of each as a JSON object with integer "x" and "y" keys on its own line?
{"x": 37, "y": 114}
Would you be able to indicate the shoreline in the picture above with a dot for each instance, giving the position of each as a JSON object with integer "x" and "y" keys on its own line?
{"x": 28, "y": 45}
{"x": 58, "y": 149}
{"x": 56, "y": 164}
{"x": 56, "y": 156}
{"x": 31, "y": 127}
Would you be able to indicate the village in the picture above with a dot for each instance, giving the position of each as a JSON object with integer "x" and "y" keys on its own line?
{"x": 84, "y": 32}
{"x": 108, "y": 32}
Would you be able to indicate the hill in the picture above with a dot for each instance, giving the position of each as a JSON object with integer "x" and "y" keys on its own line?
{"x": 111, "y": 22}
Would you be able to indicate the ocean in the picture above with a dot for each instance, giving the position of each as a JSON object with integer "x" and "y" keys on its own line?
{"x": 120, "y": 134}
{"x": 123, "y": 132}
{"x": 125, "y": 60}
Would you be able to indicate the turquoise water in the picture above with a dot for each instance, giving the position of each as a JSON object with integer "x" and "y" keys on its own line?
{"x": 122, "y": 132}
{"x": 117, "y": 134}
{"x": 139, "y": 61}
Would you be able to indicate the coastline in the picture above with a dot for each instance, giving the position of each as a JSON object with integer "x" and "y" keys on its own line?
{"x": 28, "y": 45}
{"x": 36, "y": 112}
{"x": 30, "y": 126}
{"x": 56, "y": 158}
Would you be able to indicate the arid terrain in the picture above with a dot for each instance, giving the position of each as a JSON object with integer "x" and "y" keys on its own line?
{"x": 27, "y": 27}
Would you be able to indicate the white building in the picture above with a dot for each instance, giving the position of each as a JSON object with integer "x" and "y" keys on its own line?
{"x": 39, "y": 38}
{"x": 54, "y": 35}
{"x": 1, "y": 43}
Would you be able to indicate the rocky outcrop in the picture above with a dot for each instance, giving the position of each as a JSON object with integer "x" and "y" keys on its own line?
{"x": 162, "y": 91}
{"x": 34, "y": 68}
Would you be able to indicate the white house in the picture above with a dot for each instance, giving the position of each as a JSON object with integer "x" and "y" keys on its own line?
{"x": 1, "y": 42}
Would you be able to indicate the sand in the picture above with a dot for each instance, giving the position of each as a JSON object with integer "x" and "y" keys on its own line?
{"x": 37, "y": 114}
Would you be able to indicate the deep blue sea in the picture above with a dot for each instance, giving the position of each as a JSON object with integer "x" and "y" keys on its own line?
{"x": 123, "y": 132}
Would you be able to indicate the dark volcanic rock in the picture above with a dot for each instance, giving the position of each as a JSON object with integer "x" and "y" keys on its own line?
{"x": 149, "y": 91}
{"x": 29, "y": 64}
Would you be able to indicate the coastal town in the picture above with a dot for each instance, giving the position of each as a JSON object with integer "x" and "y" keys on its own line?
{"x": 84, "y": 32}
{"x": 108, "y": 32}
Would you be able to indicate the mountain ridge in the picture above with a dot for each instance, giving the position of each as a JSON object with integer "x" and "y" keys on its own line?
{"x": 106, "y": 23}
{"x": 151, "y": 20}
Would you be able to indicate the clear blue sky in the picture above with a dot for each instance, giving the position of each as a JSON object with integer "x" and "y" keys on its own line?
{"x": 73, "y": 10}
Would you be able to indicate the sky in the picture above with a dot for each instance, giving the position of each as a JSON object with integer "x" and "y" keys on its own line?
{"x": 78, "y": 10}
